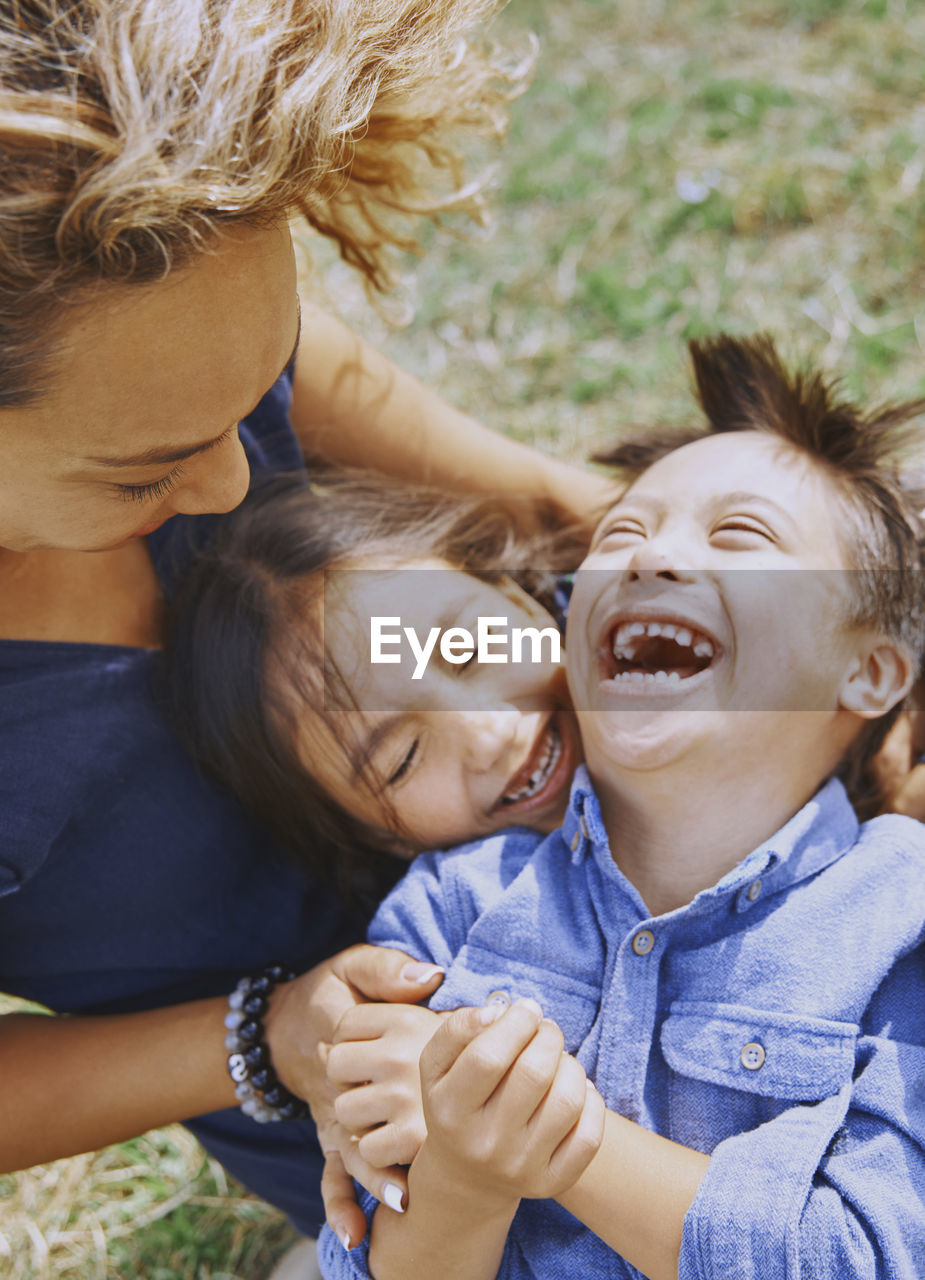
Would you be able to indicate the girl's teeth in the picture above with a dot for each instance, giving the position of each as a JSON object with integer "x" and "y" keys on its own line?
{"x": 683, "y": 637}
{"x": 552, "y": 751}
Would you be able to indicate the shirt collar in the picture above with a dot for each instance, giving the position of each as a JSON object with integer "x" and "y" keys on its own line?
{"x": 816, "y": 836}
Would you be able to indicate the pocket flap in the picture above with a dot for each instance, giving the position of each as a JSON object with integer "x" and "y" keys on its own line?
{"x": 779, "y": 1055}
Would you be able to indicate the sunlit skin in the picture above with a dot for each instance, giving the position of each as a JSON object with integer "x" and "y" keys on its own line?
{"x": 740, "y": 539}
{"x": 446, "y": 750}
{"x": 139, "y": 422}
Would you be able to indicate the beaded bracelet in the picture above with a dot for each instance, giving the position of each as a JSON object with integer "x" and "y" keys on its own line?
{"x": 261, "y": 1093}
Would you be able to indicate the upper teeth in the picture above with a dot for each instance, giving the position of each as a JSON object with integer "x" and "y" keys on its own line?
{"x": 628, "y": 632}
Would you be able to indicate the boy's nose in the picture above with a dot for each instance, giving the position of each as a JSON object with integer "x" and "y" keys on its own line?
{"x": 656, "y": 558}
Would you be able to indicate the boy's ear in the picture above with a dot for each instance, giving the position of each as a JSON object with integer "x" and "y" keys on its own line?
{"x": 882, "y": 675}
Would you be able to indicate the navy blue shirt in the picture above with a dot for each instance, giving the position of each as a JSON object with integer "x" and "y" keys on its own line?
{"x": 128, "y": 880}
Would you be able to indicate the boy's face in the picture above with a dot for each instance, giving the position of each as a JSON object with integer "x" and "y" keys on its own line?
{"x": 717, "y": 584}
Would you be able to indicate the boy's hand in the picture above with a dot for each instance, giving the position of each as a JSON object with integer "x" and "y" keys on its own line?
{"x": 509, "y": 1114}
{"x": 375, "y": 1061}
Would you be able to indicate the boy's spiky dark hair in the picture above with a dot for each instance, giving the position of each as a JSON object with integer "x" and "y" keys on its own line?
{"x": 872, "y": 456}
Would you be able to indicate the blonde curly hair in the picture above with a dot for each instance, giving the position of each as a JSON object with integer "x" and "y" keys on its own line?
{"x": 130, "y": 130}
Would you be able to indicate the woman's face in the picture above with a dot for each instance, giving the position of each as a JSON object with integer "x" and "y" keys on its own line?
{"x": 148, "y": 385}
{"x": 465, "y": 749}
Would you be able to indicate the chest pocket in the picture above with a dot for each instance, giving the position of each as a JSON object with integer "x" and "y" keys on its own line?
{"x": 767, "y": 1053}
{"x": 480, "y": 975}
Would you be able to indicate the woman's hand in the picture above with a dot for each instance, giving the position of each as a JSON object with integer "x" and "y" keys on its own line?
{"x": 300, "y": 1024}
{"x": 375, "y": 1062}
{"x": 509, "y": 1114}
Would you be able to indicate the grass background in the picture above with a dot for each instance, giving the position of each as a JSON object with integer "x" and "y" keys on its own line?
{"x": 677, "y": 166}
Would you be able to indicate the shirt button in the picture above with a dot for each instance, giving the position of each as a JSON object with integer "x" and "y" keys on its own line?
{"x": 752, "y": 1056}
{"x": 754, "y": 889}
{"x": 643, "y": 942}
{"x": 500, "y": 998}
{"x": 576, "y": 841}
{"x": 584, "y": 827}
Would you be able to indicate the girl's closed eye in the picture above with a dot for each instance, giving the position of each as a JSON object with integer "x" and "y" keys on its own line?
{"x": 405, "y": 766}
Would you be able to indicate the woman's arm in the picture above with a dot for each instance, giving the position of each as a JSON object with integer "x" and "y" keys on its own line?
{"x": 73, "y": 1084}
{"x": 353, "y": 406}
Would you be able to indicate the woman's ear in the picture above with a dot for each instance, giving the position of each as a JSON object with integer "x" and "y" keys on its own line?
{"x": 882, "y": 675}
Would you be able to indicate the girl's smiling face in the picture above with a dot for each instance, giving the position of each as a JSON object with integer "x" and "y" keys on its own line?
{"x": 468, "y": 748}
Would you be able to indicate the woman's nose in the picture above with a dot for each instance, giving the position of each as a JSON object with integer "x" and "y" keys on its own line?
{"x": 213, "y": 481}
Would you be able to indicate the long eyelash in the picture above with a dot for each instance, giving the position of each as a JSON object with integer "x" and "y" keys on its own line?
{"x": 405, "y": 764}
{"x": 148, "y": 492}
{"x": 160, "y": 488}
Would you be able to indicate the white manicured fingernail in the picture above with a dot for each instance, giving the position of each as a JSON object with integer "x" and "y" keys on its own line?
{"x": 529, "y": 1003}
{"x": 344, "y": 1239}
{"x": 490, "y": 1013}
{"x": 419, "y": 972}
{"x": 392, "y": 1195}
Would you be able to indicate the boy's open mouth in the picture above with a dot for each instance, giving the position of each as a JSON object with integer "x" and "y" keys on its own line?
{"x": 534, "y": 775}
{"x": 647, "y": 653}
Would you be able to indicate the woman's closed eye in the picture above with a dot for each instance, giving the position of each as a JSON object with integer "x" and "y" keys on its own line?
{"x": 154, "y": 489}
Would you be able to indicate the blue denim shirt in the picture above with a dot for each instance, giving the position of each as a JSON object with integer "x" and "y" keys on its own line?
{"x": 777, "y": 1021}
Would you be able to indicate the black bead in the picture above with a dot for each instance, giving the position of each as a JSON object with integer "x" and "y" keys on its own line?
{"x": 263, "y": 1077}
{"x": 294, "y": 1109}
{"x": 255, "y": 1005}
{"x": 255, "y": 1055}
{"x": 249, "y": 1030}
{"x": 276, "y": 973}
{"x": 275, "y": 1096}
{"x": 261, "y": 985}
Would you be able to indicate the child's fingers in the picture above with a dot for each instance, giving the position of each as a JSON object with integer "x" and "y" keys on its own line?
{"x": 580, "y": 1145}
{"x": 531, "y": 1075}
{"x": 369, "y": 1021}
{"x": 562, "y": 1105}
{"x": 481, "y": 1044}
{"x": 360, "y": 1108}
{"x": 377, "y": 1040}
{"x": 391, "y": 1144}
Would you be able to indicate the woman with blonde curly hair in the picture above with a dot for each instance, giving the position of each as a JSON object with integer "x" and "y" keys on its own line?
{"x": 151, "y": 363}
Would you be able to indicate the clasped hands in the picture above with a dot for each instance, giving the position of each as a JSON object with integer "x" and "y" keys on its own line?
{"x": 485, "y": 1098}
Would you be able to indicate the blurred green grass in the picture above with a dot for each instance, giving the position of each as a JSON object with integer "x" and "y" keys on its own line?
{"x": 677, "y": 167}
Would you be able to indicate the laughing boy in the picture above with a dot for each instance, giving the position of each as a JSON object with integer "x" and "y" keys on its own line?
{"x": 716, "y": 943}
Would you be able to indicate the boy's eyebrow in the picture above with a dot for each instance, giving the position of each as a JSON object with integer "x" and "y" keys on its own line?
{"x": 178, "y": 453}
